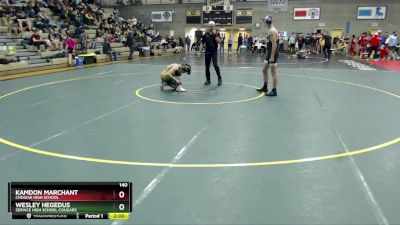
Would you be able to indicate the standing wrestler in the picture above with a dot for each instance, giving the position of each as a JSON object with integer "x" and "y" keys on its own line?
{"x": 271, "y": 59}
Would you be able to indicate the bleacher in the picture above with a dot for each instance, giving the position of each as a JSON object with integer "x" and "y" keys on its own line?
{"x": 31, "y": 58}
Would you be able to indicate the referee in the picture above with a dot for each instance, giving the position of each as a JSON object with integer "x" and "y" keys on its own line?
{"x": 211, "y": 39}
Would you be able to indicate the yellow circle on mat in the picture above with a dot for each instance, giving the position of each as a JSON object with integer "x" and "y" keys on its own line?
{"x": 159, "y": 164}
{"x": 198, "y": 103}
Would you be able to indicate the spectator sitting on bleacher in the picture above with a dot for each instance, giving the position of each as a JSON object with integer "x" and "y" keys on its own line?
{"x": 122, "y": 38}
{"x": 342, "y": 47}
{"x": 7, "y": 2}
{"x": 89, "y": 19}
{"x": 99, "y": 14}
{"x": 110, "y": 38}
{"x": 55, "y": 41}
{"x": 108, "y": 50}
{"x": 52, "y": 6}
{"x": 99, "y": 32}
{"x": 164, "y": 44}
{"x": 28, "y": 9}
{"x": 37, "y": 41}
{"x": 92, "y": 44}
{"x": 36, "y": 7}
{"x": 74, "y": 17}
{"x": 14, "y": 28}
{"x": 40, "y": 23}
{"x": 79, "y": 31}
{"x": 43, "y": 16}
{"x": 64, "y": 10}
{"x": 65, "y": 25}
{"x": 82, "y": 40}
{"x": 42, "y": 3}
{"x": 24, "y": 25}
{"x": 21, "y": 15}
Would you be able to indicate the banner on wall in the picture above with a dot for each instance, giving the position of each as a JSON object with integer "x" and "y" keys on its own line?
{"x": 371, "y": 12}
{"x": 307, "y": 13}
{"x": 278, "y": 5}
{"x": 161, "y": 16}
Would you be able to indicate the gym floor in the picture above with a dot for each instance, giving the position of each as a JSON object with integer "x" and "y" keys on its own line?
{"x": 324, "y": 151}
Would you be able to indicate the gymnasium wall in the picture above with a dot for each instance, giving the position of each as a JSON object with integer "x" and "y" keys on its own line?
{"x": 334, "y": 14}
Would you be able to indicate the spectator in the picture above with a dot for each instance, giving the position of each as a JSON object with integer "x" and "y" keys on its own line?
{"x": 292, "y": 43}
{"x": 250, "y": 45}
{"x": 327, "y": 46}
{"x": 111, "y": 38}
{"x": 36, "y": 40}
{"x": 116, "y": 12}
{"x": 82, "y": 41}
{"x": 99, "y": 32}
{"x": 65, "y": 25}
{"x": 335, "y": 42}
{"x": 24, "y": 25}
{"x": 39, "y": 23}
{"x": 230, "y": 43}
{"x": 392, "y": 42}
{"x": 89, "y": 19}
{"x": 281, "y": 44}
{"x": 383, "y": 52}
{"x": 130, "y": 41}
{"x": 14, "y": 28}
{"x": 308, "y": 43}
{"x": 240, "y": 41}
{"x": 36, "y": 7}
{"x": 55, "y": 41}
{"x": 187, "y": 42}
{"x": 79, "y": 31}
{"x": 342, "y": 47}
{"x": 362, "y": 45}
{"x": 164, "y": 44}
{"x": 29, "y": 9}
{"x": 374, "y": 42}
{"x": 222, "y": 44}
{"x": 300, "y": 41}
{"x": 384, "y": 38}
{"x": 108, "y": 50}
{"x": 92, "y": 44}
{"x": 70, "y": 45}
{"x": 180, "y": 42}
{"x": 246, "y": 41}
{"x": 352, "y": 49}
{"x": 173, "y": 42}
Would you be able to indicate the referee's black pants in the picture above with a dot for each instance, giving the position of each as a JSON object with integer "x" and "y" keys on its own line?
{"x": 214, "y": 57}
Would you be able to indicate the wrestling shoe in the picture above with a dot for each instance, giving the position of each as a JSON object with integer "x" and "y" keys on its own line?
{"x": 272, "y": 93}
{"x": 162, "y": 85}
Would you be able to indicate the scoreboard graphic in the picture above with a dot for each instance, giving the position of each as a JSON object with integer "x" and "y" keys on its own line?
{"x": 66, "y": 200}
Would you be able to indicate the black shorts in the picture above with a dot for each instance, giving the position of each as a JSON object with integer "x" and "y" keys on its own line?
{"x": 171, "y": 82}
{"x": 229, "y": 45}
{"x": 292, "y": 45}
{"x": 269, "y": 56}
